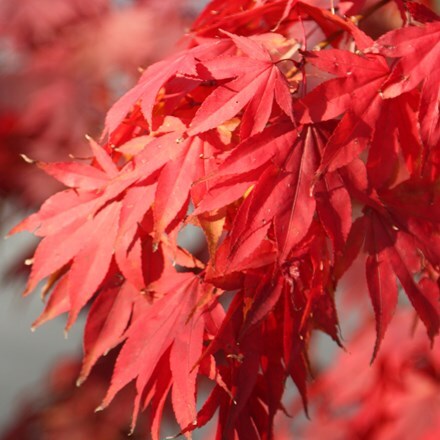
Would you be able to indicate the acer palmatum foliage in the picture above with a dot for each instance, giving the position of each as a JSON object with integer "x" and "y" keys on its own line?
{"x": 303, "y": 145}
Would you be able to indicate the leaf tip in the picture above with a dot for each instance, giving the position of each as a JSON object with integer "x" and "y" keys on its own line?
{"x": 27, "y": 159}
{"x": 375, "y": 350}
{"x": 27, "y": 291}
{"x": 99, "y": 408}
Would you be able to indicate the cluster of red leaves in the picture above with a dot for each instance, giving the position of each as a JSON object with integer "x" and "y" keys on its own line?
{"x": 63, "y": 64}
{"x": 398, "y": 397}
{"x": 294, "y": 161}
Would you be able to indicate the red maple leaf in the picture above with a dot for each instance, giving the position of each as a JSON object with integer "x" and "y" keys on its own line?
{"x": 417, "y": 50}
{"x": 256, "y": 83}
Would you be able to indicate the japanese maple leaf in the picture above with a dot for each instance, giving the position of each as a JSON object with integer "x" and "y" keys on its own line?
{"x": 176, "y": 158}
{"x": 282, "y": 196}
{"x": 107, "y": 320}
{"x": 256, "y": 83}
{"x": 64, "y": 215}
{"x": 418, "y": 50}
{"x": 96, "y": 203}
{"x": 237, "y": 412}
{"x": 393, "y": 253}
{"x": 173, "y": 327}
{"x": 174, "y": 184}
{"x": 239, "y": 17}
{"x": 243, "y": 167}
{"x": 418, "y": 53}
{"x": 294, "y": 212}
{"x": 157, "y": 75}
{"x": 357, "y": 93}
{"x": 395, "y": 135}
{"x": 244, "y": 17}
{"x": 401, "y": 242}
{"x": 333, "y": 206}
